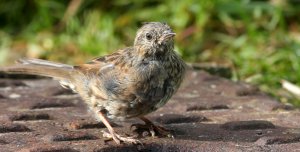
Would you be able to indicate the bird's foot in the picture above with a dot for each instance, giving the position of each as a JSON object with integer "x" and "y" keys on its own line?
{"x": 154, "y": 130}
{"x": 118, "y": 138}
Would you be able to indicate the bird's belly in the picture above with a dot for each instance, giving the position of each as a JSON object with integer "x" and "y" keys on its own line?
{"x": 121, "y": 111}
{"x": 118, "y": 110}
{"x": 142, "y": 105}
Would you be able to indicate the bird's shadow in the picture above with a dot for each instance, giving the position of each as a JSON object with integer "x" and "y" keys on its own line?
{"x": 235, "y": 131}
{"x": 252, "y": 131}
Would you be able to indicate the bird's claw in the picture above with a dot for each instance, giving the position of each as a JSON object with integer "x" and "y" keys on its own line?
{"x": 118, "y": 138}
{"x": 152, "y": 129}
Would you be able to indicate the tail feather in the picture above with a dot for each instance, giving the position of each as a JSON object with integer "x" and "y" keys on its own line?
{"x": 41, "y": 67}
{"x": 43, "y": 62}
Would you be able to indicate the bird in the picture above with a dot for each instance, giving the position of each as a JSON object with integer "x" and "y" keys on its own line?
{"x": 129, "y": 83}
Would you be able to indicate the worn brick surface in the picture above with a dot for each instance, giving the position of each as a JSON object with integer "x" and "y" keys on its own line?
{"x": 208, "y": 113}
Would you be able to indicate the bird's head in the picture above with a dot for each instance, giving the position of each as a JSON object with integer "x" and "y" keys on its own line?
{"x": 155, "y": 37}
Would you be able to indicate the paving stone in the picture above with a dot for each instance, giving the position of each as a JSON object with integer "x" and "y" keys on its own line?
{"x": 208, "y": 113}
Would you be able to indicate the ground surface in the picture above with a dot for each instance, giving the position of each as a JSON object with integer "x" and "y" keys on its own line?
{"x": 207, "y": 114}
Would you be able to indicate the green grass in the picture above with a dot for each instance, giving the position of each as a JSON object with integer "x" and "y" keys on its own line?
{"x": 259, "y": 40}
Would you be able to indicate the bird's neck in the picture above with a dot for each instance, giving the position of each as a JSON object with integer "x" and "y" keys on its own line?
{"x": 159, "y": 53}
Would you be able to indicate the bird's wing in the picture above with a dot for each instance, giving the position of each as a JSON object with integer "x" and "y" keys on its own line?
{"x": 99, "y": 63}
{"x": 114, "y": 75}
{"x": 110, "y": 74}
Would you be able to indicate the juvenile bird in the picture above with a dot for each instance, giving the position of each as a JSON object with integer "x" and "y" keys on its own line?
{"x": 129, "y": 83}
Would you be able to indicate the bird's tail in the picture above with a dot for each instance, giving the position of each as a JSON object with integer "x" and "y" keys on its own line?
{"x": 41, "y": 67}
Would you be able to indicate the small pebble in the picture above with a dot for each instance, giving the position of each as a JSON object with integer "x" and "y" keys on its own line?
{"x": 14, "y": 96}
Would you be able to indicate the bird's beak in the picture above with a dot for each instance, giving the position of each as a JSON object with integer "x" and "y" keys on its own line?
{"x": 168, "y": 35}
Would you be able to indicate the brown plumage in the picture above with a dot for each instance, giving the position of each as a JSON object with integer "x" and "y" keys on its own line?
{"x": 131, "y": 82}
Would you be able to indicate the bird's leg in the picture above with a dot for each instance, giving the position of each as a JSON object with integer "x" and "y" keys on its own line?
{"x": 113, "y": 135}
{"x": 152, "y": 128}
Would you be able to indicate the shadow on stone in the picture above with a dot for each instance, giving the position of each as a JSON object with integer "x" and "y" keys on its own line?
{"x": 152, "y": 147}
{"x": 235, "y": 131}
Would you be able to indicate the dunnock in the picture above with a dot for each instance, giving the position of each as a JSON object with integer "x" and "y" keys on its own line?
{"x": 131, "y": 82}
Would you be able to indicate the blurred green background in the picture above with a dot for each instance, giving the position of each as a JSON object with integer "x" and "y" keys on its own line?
{"x": 259, "y": 40}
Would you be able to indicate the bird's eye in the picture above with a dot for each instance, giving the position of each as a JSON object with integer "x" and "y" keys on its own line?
{"x": 148, "y": 36}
